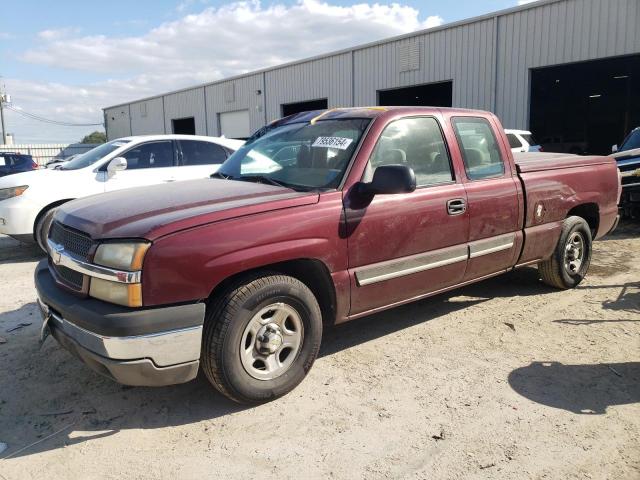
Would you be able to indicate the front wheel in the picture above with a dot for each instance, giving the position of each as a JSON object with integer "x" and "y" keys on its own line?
{"x": 261, "y": 337}
{"x": 569, "y": 264}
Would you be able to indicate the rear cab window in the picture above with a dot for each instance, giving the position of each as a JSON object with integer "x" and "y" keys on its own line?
{"x": 479, "y": 147}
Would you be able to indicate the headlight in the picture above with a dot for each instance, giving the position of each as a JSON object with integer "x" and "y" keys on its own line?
{"x": 127, "y": 294}
{"x": 121, "y": 255}
{"x": 12, "y": 192}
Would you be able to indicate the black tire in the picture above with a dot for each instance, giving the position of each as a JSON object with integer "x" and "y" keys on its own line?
{"x": 555, "y": 271}
{"x": 41, "y": 230}
{"x": 227, "y": 317}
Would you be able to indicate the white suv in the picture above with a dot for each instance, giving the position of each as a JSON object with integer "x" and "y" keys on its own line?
{"x": 28, "y": 200}
{"x": 522, "y": 141}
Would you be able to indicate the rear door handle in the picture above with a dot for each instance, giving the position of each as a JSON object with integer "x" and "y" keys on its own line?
{"x": 456, "y": 206}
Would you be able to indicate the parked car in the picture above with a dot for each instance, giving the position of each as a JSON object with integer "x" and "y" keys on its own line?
{"x": 13, "y": 162}
{"x": 522, "y": 141}
{"x": 57, "y": 162}
{"x": 627, "y": 157}
{"x": 356, "y": 211}
{"x": 28, "y": 200}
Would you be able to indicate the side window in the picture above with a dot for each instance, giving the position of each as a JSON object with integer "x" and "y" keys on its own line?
{"x": 415, "y": 142}
{"x": 480, "y": 151}
{"x": 150, "y": 155}
{"x": 513, "y": 141}
{"x": 201, "y": 153}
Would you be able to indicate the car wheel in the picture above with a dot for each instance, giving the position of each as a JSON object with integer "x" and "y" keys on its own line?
{"x": 41, "y": 231}
{"x": 571, "y": 258}
{"x": 261, "y": 337}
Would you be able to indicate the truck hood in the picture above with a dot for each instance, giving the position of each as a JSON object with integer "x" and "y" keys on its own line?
{"x": 158, "y": 210}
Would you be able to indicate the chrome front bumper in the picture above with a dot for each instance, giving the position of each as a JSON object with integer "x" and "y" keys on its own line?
{"x": 157, "y": 359}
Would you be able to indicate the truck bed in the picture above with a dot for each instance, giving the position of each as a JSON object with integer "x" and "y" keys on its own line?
{"x": 540, "y": 161}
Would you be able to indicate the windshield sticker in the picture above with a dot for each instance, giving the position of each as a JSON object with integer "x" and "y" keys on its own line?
{"x": 333, "y": 142}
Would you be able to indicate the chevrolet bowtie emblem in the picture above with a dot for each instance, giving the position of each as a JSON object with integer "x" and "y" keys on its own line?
{"x": 56, "y": 254}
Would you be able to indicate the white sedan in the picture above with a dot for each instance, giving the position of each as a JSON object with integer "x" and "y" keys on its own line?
{"x": 28, "y": 200}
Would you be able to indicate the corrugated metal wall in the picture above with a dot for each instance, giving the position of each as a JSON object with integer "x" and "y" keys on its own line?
{"x": 328, "y": 77}
{"x": 188, "y": 103}
{"x": 147, "y": 117}
{"x": 117, "y": 122}
{"x": 488, "y": 60}
{"x": 556, "y": 33}
{"x": 233, "y": 95}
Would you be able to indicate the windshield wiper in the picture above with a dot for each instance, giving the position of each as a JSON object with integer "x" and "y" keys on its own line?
{"x": 269, "y": 180}
{"x": 220, "y": 175}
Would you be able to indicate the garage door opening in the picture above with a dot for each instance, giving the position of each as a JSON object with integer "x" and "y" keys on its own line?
{"x": 429, "y": 95}
{"x": 235, "y": 124}
{"x": 184, "y": 126}
{"x": 292, "y": 108}
{"x": 585, "y": 107}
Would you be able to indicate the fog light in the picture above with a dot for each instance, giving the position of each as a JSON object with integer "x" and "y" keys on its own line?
{"x": 126, "y": 294}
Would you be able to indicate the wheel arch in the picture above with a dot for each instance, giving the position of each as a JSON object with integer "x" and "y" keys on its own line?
{"x": 44, "y": 210}
{"x": 590, "y": 212}
{"x": 310, "y": 271}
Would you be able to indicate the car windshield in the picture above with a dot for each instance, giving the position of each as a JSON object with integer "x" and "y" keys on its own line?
{"x": 302, "y": 156}
{"x": 93, "y": 155}
{"x": 632, "y": 141}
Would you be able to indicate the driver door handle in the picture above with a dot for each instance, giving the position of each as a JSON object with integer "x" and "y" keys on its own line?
{"x": 456, "y": 206}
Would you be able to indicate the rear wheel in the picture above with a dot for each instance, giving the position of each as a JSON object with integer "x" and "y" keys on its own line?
{"x": 570, "y": 260}
{"x": 41, "y": 230}
{"x": 261, "y": 337}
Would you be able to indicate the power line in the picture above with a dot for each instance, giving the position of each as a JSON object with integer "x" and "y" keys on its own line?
{"x": 33, "y": 116}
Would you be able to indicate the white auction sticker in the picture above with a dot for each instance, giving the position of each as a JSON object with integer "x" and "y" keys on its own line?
{"x": 333, "y": 142}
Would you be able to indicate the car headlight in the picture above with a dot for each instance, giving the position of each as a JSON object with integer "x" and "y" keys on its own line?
{"x": 12, "y": 192}
{"x": 121, "y": 255}
{"x": 126, "y": 256}
{"x": 127, "y": 294}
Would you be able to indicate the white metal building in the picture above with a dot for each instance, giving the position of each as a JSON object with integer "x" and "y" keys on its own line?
{"x": 567, "y": 69}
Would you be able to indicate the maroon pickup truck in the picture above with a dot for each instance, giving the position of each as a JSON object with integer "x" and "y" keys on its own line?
{"x": 322, "y": 217}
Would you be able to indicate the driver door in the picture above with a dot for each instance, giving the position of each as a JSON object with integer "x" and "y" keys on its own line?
{"x": 404, "y": 246}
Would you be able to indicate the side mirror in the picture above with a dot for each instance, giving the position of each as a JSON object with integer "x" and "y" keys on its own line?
{"x": 390, "y": 179}
{"x": 614, "y": 148}
{"x": 116, "y": 165}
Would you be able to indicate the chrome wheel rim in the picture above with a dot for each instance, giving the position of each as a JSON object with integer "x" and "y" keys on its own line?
{"x": 271, "y": 341}
{"x": 574, "y": 253}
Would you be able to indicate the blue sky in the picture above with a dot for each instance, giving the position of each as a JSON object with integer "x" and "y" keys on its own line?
{"x": 67, "y": 59}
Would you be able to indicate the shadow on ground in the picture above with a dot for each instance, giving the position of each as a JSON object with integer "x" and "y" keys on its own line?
{"x": 12, "y": 251}
{"x": 580, "y": 389}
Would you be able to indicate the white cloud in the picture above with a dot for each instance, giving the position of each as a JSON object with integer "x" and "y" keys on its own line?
{"x": 58, "y": 33}
{"x": 215, "y": 43}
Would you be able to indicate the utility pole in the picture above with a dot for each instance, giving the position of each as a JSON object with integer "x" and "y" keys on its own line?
{"x": 4, "y": 98}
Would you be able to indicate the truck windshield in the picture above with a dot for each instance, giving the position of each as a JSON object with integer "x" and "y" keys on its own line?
{"x": 302, "y": 156}
{"x": 93, "y": 155}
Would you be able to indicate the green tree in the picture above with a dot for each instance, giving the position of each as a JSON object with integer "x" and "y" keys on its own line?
{"x": 95, "y": 137}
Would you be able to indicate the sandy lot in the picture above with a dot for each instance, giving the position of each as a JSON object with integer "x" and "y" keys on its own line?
{"x": 503, "y": 379}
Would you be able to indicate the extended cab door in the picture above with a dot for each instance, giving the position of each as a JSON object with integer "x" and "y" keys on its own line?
{"x": 493, "y": 196}
{"x": 148, "y": 163}
{"x": 406, "y": 245}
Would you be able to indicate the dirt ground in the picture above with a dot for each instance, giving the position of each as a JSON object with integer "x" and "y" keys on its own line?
{"x": 503, "y": 379}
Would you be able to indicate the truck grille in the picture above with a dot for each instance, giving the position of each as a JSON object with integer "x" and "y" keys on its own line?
{"x": 74, "y": 242}
{"x": 78, "y": 245}
{"x": 69, "y": 277}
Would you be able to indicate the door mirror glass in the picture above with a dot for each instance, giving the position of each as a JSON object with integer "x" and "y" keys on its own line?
{"x": 390, "y": 179}
{"x": 117, "y": 165}
{"x": 614, "y": 148}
